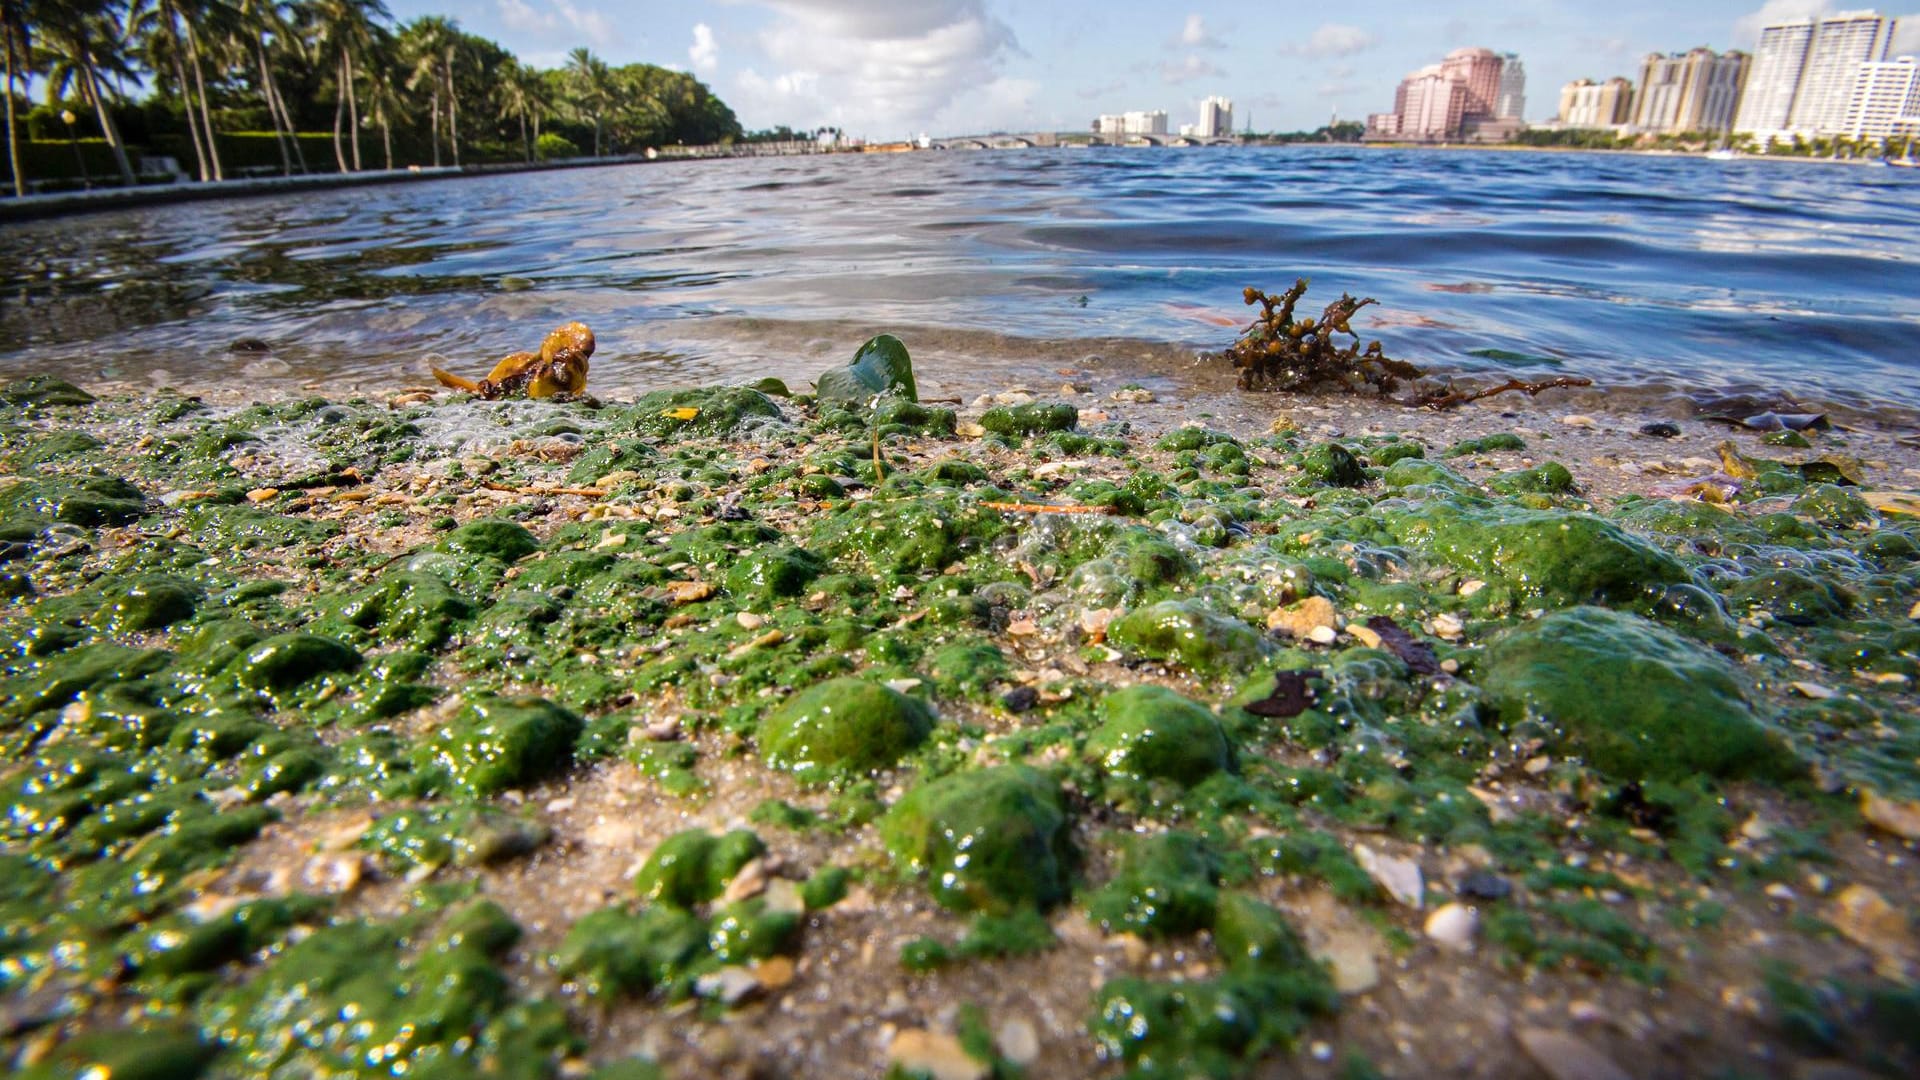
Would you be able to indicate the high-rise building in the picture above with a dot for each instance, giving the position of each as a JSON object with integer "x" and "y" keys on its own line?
{"x": 1510, "y": 103}
{"x": 1587, "y": 104}
{"x": 1467, "y": 94}
{"x": 1216, "y": 118}
{"x": 1132, "y": 123}
{"x": 1886, "y": 100}
{"x": 1697, "y": 91}
{"x": 1805, "y": 72}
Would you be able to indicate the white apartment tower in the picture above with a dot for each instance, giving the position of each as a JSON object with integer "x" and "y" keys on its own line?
{"x": 1886, "y": 101}
{"x": 1805, "y": 71}
{"x": 1510, "y": 101}
{"x": 1216, "y": 118}
{"x": 1698, "y": 91}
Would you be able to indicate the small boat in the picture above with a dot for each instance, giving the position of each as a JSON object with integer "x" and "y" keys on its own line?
{"x": 1724, "y": 153}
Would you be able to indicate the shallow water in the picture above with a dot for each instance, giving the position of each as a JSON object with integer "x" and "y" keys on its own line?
{"x": 1654, "y": 276}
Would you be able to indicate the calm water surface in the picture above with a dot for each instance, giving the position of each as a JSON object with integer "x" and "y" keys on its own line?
{"x": 1652, "y": 275}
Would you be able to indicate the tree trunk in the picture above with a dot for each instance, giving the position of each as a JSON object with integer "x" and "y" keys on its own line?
{"x": 90, "y": 84}
{"x": 353, "y": 107}
{"x": 13, "y": 135}
{"x": 433, "y": 106}
{"x": 206, "y": 117}
{"x": 339, "y": 108}
{"x": 186, "y": 100}
{"x": 293, "y": 130}
{"x": 523, "y": 136}
{"x": 453, "y": 113}
{"x": 386, "y": 139}
{"x": 273, "y": 110}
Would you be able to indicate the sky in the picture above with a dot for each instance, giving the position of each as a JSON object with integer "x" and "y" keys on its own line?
{"x": 892, "y": 69}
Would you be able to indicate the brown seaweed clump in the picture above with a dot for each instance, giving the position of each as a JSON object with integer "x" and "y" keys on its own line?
{"x": 1276, "y": 352}
{"x": 559, "y": 368}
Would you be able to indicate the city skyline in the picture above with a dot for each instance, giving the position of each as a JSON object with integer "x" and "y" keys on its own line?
{"x": 891, "y": 70}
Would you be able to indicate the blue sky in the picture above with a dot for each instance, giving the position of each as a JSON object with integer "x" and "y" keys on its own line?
{"x": 887, "y": 69}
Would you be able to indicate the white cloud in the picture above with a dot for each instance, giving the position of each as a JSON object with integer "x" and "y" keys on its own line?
{"x": 1194, "y": 66}
{"x": 1196, "y": 36}
{"x": 705, "y": 51}
{"x": 880, "y": 68}
{"x": 1746, "y": 30}
{"x": 1335, "y": 39}
{"x": 559, "y": 19}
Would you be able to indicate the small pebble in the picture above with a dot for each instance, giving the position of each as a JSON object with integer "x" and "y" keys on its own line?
{"x": 1576, "y": 420}
{"x": 1568, "y": 1057}
{"x": 1661, "y": 429}
{"x": 938, "y": 1055}
{"x": 1020, "y": 699}
{"x": 1452, "y": 926}
{"x": 1485, "y": 885}
{"x": 1399, "y": 877}
{"x": 749, "y": 621}
{"x": 1017, "y": 1042}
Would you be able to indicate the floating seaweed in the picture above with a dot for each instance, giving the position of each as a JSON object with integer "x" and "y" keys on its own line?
{"x": 560, "y": 367}
{"x": 1278, "y": 352}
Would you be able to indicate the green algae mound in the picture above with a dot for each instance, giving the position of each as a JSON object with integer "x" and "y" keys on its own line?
{"x": 500, "y": 743}
{"x": 843, "y": 728}
{"x": 1639, "y": 701}
{"x": 1188, "y": 633}
{"x": 989, "y": 840}
{"x": 692, "y": 867}
{"x": 1150, "y": 732}
{"x": 1538, "y": 556}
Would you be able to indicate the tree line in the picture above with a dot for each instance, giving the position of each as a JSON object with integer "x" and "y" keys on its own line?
{"x": 300, "y": 86}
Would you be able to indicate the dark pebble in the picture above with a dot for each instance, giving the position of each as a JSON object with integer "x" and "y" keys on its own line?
{"x": 1661, "y": 429}
{"x": 1481, "y": 885}
{"x": 1020, "y": 699}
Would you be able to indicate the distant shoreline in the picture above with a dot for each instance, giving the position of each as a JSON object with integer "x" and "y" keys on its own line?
{"x": 62, "y": 204}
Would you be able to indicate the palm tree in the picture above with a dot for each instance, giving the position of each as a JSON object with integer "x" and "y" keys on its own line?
{"x": 257, "y": 23}
{"x": 385, "y": 103}
{"x": 346, "y": 27}
{"x": 18, "y": 40}
{"x": 521, "y": 93}
{"x": 427, "y": 45}
{"x": 592, "y": 88}
{"x": 159, "y": 26}
{"x": 84, "y": 41}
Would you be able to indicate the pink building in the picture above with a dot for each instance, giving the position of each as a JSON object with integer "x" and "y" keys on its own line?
{"x": 1458, "y": 97}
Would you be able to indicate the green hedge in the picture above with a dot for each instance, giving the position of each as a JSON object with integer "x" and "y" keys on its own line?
{"x": 53, "y": 160}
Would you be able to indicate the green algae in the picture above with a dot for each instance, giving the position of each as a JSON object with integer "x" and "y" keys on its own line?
{"x": 991, "y": 839}
{"x": 1030, "y": 419}
{"x": 38, "y": 391}
{"x": 1167, "y": 885}
{"x": 1545, "y": 556}
{"x": 1189, "y": 633}
{"x": 493, "y": 744}
{"x": 1791, "y": 596}
{"x": 1485, "y": 444}
{"x": 285, "y": 661}
{"x": 1551, "y": 478}
{"x": 841, "y": 729}
{"x": 1151, "y": 732}
{"x": 148, "y": 602}
{"x": 718, "y": 412}
{"x": 773, "y": 573}
{"x": 501, "y": 540}
{"x": 1333, "y": 465}
{"x": 1638, "y": 701}
{"x": 87, "y": 501}
{"x": 452, "y": 835}
{"x": 689, "y": 868}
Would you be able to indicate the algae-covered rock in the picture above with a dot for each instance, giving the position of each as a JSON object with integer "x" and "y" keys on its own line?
{"x": 612, "y": 952}
{"x": 1637, "y": 700}
{"x": 843, "y": 728}
{"x": 1030, "y": 419}
{"x": 704, "y": 412}
{"x": 1189, "y": 633}
{"x": 498, "y": 743}
{"x": 1248, "y": 932}
{"x": 1151, "y": 732}
{"x": 502, "y": 540}
{"x": 987, "y": 839}
{"x": 149, "y": 602}
{"x": 34, "y": 391}
{"x": 1792, "y": 596}
{"x": 1486, "y": 444}
{"x": 1548, "y": 478}
{"x": 88, "y": 501}
{"x": 1545, "y": 556}
{"x": 285, "y": 661}
{"x": 770, "y": 573}
{"x": 1167, "y": 885}
{"x": 1834, "y": 506}
{"x": 879, "y": 366}
{"x": 1334, "y": 465}
{"x": 1419, "y": 472}
{"x": 689, "y": 868}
